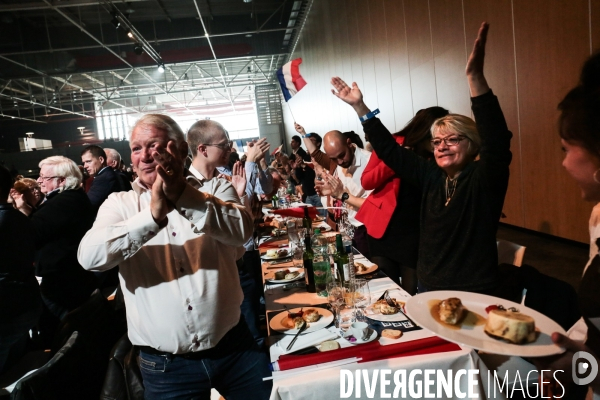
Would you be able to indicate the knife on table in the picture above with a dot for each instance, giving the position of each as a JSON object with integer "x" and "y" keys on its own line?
{"x": 302, "y": 329}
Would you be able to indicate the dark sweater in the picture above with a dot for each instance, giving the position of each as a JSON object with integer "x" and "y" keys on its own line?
{"x": 306, "y": 176}
{"x": 457, "y": 246}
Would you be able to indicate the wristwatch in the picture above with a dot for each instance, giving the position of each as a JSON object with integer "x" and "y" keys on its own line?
{"x": 345, "y": 196}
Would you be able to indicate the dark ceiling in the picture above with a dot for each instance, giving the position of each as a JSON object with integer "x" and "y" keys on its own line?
{"x": 67, "y": 56}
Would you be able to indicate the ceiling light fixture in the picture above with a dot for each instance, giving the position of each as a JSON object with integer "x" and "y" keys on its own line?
{"x": 161, "y": 68}
{"x": 81, "y": 129}
{"x": 130, "y": 34}
{"x": 138, "y": 49}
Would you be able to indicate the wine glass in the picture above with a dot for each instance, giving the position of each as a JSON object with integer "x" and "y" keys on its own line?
{"x": 362, "y": 298}
{"x": 335, "y": 296}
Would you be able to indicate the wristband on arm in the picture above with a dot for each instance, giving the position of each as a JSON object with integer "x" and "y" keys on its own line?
{"x": 369, "y": 115}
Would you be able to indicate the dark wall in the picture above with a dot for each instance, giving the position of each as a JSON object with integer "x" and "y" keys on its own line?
{"x": 62, "y": 130}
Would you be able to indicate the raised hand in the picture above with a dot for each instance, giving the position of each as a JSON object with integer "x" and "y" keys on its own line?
{"x": 474, "y": 70}
{"x": 299, "y": 128}
{"x": 238, "y": 178}
{"x": 257, "y": 150}
{"x": 337, "y": 187}
{"x": 352, "y": 96}
{"x": 160, "y": 205}
{"x": 170, "y": 162}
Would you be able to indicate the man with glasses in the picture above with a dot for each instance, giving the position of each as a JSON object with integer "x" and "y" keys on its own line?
{"x": 59, "y": 224}
{"x": 176, "y": 238}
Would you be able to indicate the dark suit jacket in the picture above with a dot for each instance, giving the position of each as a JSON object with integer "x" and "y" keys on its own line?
{"x": 59, "y": 225}
{"x": 19, "y": 290}
{"x": 106, "y": 182}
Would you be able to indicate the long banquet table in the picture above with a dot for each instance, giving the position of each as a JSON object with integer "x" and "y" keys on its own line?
{"x": 323, "y": 381}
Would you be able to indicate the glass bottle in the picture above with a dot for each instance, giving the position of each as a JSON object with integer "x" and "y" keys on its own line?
{"x": 307, "y": 259}
{"x": 341, "y": 260}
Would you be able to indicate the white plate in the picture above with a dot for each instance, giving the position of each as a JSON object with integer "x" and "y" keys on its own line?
{"x": 271, "y": 275}
{"x": 372, "y": 267}
{"x": 378, "y": 316}
{"x": 359, "y": 341}
{"x": 318, "y": 218}
{"x": 265, "y": 257}
{"x": 323, "y": 226}
{"x": 323, "y": 322}
{"x": 418, "y": 308}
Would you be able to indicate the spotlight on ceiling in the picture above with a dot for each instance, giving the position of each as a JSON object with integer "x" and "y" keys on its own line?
{"x": 161, "y": 68}
{"x": 247, "y": 1}
{"x": 115, "y": 22}
{"x": 81, "y": 129}
{"x": 138, "y": 49}
{"x": 130, "y": 34}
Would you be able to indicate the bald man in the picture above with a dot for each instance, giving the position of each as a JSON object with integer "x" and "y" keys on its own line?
{"x": 345, "y": 183}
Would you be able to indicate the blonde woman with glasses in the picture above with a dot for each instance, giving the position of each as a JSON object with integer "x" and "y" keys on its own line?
{"x": 463, "y": 188}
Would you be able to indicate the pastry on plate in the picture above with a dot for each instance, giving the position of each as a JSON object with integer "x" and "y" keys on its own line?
{"x": 271, "y": 253}
{"x": 359, "y": 267}
{"x": 311, "y": 315}
{"x": 451, "y": 311}
{"x": 329, "y": 345}
{"x": 511, "y": 326}
{"x": 391, "y": 333}
{"x": 298, "y": 322}
{"x": 279, "y": 275}
{"x": 282, "y": 252}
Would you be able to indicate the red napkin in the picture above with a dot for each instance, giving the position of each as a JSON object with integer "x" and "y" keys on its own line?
{"x": 416, "y": 347}
{"x": 296, "y": 212}
{"x": 291, "y": 361}
{"x": 269, "y": 245}
{"x": 370, "y": 352}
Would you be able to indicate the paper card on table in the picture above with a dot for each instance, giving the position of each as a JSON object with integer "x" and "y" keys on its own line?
{"x": 306, "y": 340}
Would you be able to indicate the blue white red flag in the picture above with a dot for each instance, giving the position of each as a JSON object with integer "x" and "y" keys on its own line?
{"x": 290, "y": 80}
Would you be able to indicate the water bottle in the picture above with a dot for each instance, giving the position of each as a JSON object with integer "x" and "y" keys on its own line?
{"x": 321, "y": 264}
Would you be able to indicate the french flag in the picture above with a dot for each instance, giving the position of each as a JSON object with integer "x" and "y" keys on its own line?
{"x": 290, "y": 80}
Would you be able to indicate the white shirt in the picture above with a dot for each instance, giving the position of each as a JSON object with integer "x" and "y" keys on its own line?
{"x": 350, "y": 178}
{"x": 180, "y": 283}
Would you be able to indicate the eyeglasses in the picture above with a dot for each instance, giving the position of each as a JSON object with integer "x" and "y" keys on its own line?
{"x": 35, "y": 188}
{"x": 450, "y": 141}
{"x": 223, "y": 146}
{"x": 47, "y": 178}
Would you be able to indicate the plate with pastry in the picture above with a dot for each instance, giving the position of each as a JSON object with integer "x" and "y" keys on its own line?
{"x": 276, "y": 254}
{"x": 485, "y": 323}
{"x": 289, "y": 321}
{"x": 362, "y": 266}
{"x": 285, "y": 275}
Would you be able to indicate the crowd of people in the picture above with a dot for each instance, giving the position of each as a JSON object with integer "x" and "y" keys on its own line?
{"x": 424, "y": 204}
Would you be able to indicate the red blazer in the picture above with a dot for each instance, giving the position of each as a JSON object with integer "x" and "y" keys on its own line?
{"x": 377, "y": 209}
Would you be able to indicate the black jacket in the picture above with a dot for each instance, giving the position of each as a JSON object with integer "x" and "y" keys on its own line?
{"x": 457, "y": 246}
{"x": 19, "y": 290}
{"x": 106, "y": 182}
{"x": 59, "y": 225}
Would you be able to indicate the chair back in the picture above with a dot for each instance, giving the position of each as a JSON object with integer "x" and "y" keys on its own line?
{"x": 510, "y": 253}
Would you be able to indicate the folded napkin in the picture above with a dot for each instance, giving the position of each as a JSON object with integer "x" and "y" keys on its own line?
{"x": 296, "y": 212}
{"x": 290, "y": 361}
{"x": 429, "y": 345}
{"x": 306, "y": 340}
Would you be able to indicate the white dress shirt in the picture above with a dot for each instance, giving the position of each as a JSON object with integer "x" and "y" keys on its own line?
{"x": 350, "y": 178}
{"x": 180, "y": 283}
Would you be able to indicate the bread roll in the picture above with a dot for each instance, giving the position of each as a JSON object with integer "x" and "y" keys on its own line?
{"x": 391, "y": 333}
{"x": 329, "y": 345}
{"x": 311, "y": 315}
{"x": 512, "y": 326}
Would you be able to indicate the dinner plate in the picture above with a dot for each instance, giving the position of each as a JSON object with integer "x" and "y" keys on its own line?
{"x": 371, "y": 267}
{"x": 265, "y": 257}
{"x": 471, "y": 334}
{"x": 271, "y": 275}
{"x": 378, "y": 316}
{"x": 277, "y": 321}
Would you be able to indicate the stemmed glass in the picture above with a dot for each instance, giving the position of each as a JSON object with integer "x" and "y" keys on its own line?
{"x": 335, "y": 296}
{"x": 362, "y": 298}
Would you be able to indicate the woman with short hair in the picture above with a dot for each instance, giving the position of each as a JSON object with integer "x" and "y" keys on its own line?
{"x": 26, "y": 195}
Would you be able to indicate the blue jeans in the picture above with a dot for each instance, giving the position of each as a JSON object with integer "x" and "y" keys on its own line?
{"x": 235, "y": 367}
{"x": 315, "y": 200}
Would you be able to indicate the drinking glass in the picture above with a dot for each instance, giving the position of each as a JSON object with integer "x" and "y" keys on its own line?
{"x": 344, "y": 319}
{"x": 297, "y": 255}
{"x": 335, "y": 296}
{"x": 362, "y": 298}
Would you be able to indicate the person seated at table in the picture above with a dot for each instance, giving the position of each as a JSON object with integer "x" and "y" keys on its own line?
{"x": 391, "y": 212}
{"x": 176, "y": 242}
{"x": 20, "y": 301}
{"x": 59, "y": 225}
{"x": 462, "y": 197}
{"x": 579, "y": 130}
{"x": 27, "y": 195}
{"x": 344, "y": 185}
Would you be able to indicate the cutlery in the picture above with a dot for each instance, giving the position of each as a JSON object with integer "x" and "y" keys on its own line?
{"x": 302, "y": 328}
{"x": 367, "y": 334}
{"x": 283, "y": 261}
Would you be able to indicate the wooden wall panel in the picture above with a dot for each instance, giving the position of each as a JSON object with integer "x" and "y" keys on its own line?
{"x": 595, "y": 25}
{"x": 448, "y": 41}
{"x": 501, "y": 75}
{"x": 551, "y": 198}
{"x": 399, "y": 67}
{"x": 385, "y": 99}
{"x": 420, "y": 54}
